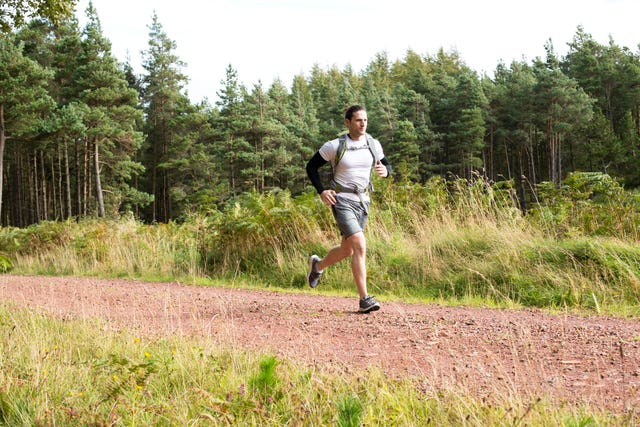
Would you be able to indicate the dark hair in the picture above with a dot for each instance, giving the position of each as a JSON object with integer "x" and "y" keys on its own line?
{"x": 348, "y": 114}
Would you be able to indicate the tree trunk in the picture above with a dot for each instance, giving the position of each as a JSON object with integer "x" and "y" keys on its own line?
{"x": 56, "y": 180}
{"x": 166, "y": 199}
{"x": 6, "y": 218}
{"x": 559, "y": 159}
{"x": 489, "y": 163}
{"x": 532, "y": 154}
{"x": 43, "y": 183}
{"x": 20, "y": 219}
{"x": 154, "y": 183}
{"x": 2, "y": 142}
{"x": 263, "y": 167}
{"x": 523, "y": 189}
{"x": 99, "y": 198}
{"x": 67, "y": 180}
{"x": 232, "y": 178}
{"x": 136, "y": 185}
{"x": 551, "y": 136}
{"x": 506, "y": 158}
{"x": 85, "y": 178}
{"x": 89, "y": 199}
{"x": 78, "y": 180}
{"x": 34, "y": 189}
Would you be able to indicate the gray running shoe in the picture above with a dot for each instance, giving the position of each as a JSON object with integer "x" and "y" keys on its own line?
{"x": 314, "y": 275}
{"x": 368, "y": 304}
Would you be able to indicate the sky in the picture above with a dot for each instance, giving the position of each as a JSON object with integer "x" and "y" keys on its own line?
{"x": 265, "y": 40}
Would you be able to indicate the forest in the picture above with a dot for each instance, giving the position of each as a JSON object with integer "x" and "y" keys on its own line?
{"x": 83, "y": 135}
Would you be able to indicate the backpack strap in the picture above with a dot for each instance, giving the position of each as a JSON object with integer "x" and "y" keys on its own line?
{"x": 342, "y": 148}
{"x": 374, "y": 156}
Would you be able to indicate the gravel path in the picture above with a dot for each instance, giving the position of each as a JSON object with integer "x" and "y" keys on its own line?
{"x": 489, "y": 352}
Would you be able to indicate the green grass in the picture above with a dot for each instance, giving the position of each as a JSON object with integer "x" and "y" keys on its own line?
{"x": 69, "y": 373}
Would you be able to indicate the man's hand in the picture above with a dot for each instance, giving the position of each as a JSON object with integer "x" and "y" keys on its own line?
{"x": 381, "y": 169}
{"x": 328, "y": 197}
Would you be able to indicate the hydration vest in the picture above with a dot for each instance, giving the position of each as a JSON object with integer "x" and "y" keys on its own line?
{"x": 342, "y": 148}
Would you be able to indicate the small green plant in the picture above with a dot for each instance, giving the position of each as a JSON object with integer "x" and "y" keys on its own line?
{"x": 581, "y": 422}
{"x": 265, "y": 382}
{"x": 349, "y": 412}
{"x": 125, "y": 375}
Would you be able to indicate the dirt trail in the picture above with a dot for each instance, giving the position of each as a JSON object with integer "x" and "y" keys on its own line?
{"x": 490, "y": 352}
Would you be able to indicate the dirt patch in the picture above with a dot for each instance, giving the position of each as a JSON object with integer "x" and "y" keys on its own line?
{"x": 492, "y": 353}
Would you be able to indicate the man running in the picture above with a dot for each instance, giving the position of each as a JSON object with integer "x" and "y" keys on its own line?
{"x": 352, "y": 157}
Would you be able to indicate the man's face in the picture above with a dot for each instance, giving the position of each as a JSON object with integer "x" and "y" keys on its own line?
{"x": 358, "y": 124}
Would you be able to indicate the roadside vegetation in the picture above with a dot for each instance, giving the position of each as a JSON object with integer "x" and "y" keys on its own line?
{"x": 575, "y": 250}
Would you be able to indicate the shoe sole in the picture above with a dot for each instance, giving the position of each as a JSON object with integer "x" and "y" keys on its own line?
{"x": 374, "y": 307}
{"x": 311, "y": 259}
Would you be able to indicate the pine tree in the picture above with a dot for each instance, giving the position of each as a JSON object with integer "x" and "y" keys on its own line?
{"x": 324, "y": 87}
{"x": 404, "y": 153}
{"x": 194, "y": 172}
{"x": 467, "y": 129}
{"x": 305, "y": 127}
{"x": 111, "y": 119}
{"x": 290, "y": 132}
{"x": 516, "y": 148}
{"x": 232, "y": 124}
{"x": 163, "y": 83}
{"x": 16, "y": 12}
{"x": 560, "y": 105}
{"x": 58, "y": 47}
{"x": 24, "y": 105}
{"x": 610, "y": 75}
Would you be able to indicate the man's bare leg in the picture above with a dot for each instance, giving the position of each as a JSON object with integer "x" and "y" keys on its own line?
{"x": 354, "y": 246}
{"x": 358, "y": 262}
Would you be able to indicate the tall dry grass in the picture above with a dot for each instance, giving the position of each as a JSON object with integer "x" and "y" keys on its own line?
{"x": 576, "y": 247}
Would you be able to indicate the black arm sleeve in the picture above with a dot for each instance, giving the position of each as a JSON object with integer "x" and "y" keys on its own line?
{"x": 313, "y": 165}
{"x": 387, "y": 165}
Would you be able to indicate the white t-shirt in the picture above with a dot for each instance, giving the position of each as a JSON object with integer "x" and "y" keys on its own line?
{"x": 355, "y": 166}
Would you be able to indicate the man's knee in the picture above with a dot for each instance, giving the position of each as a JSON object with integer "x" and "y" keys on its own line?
{"x": 357, "y": 243}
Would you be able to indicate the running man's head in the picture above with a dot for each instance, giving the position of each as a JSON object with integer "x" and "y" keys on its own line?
{"x": 348, "y": 114}
{"x": 355, "y": 118}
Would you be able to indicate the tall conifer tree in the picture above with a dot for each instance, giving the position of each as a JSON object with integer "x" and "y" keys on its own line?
{"x": 232, "y": 126}
{"x": 111, "y": 119}
{"x": 163, "y": 83}
{"x": 24, "y": 103}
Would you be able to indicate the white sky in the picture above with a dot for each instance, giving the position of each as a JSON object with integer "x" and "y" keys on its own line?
{"x": 268, "y": 39}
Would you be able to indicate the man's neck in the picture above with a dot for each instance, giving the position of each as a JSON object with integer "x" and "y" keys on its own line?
{"x": 357, "y": 138}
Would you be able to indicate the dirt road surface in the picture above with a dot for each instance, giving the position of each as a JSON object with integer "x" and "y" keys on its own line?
{"x": 592, "y": 360}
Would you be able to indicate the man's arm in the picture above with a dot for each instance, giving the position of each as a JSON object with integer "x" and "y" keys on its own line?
{"x": 315, "y": 163}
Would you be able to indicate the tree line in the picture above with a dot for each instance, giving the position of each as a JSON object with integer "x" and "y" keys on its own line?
{"x": 81, "y": 134}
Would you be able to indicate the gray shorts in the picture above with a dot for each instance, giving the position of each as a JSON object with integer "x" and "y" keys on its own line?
{"x": 350, "y": 215}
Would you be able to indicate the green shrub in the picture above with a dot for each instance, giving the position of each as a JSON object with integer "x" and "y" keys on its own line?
{"x": 5, "y": 264}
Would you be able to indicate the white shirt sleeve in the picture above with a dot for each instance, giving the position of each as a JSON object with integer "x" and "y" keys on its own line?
{"x": 328, "y": 150}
